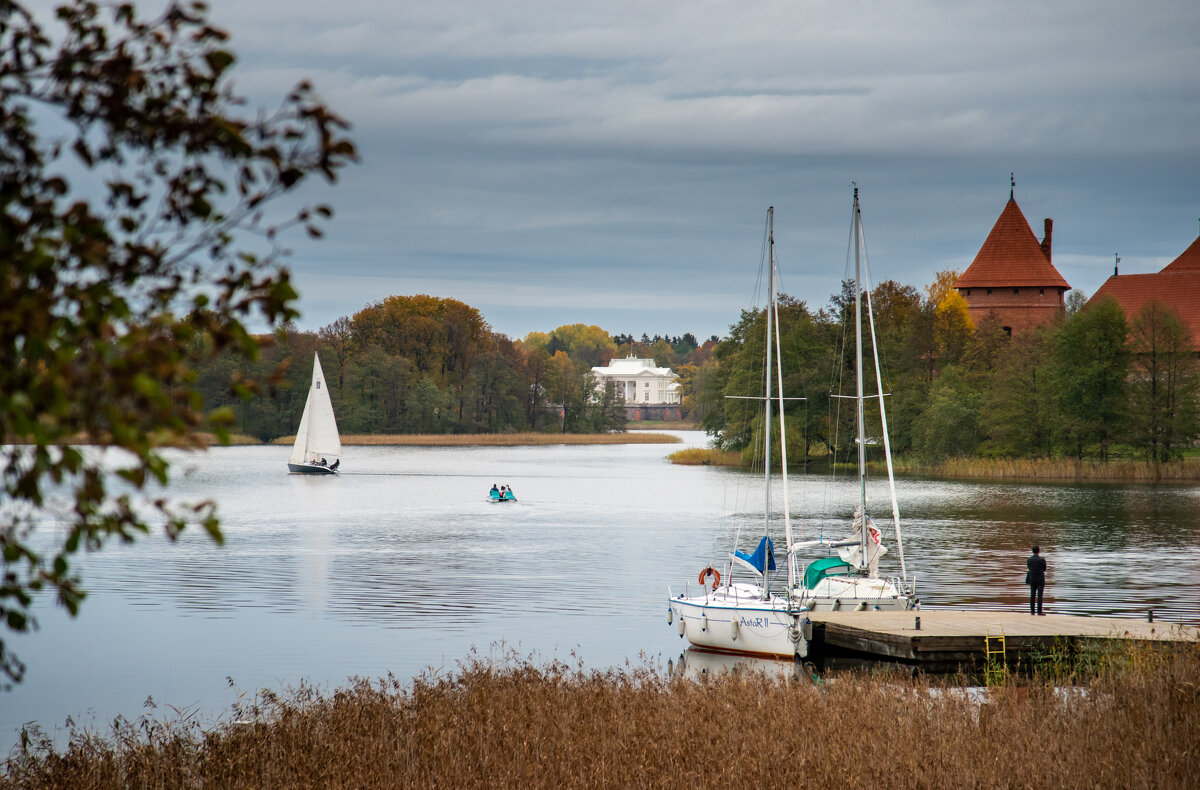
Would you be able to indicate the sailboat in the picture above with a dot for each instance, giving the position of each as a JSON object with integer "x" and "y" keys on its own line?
{"x": 318, "y": 448}
{"x": 850, "y": 580}
{"x": 747, "y": 616}
{"x": 751, "y": 617}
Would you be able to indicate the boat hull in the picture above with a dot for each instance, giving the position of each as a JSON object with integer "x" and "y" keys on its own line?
{"x": 737, "y": 622}
{"x": 310, "y": 469}
{"x": 496, "y": 501}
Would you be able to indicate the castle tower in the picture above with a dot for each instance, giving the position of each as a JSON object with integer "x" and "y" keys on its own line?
{"x": 1012, "y": 276}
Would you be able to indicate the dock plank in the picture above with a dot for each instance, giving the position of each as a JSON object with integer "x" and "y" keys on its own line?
{"x": 948, "y": 635}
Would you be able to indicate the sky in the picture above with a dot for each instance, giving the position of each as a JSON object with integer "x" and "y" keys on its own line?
{"x": 611, "y": 163}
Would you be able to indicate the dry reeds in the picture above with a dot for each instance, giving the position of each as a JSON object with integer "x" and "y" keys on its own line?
{"x": 661, "y": 425}
{"x": 1134, "y": 722}
{"x": 705, "y": 456}
{"x": 499, "y": 439}
{"x": 1056, "y": 469}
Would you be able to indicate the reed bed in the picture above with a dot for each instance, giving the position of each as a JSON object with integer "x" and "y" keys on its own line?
{"x": 661, "y": 425}
{"x": 1132, "y": 722}
{"x": 499, "y": 439}
{"x": 1056, "y": 469}
{"x": 705, "y": 456}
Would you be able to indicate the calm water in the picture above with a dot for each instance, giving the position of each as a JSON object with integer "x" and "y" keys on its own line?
{"x": 400, "y": 565}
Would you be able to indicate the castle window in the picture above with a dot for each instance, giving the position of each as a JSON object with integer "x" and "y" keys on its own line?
{"x": 1007, "y": 330}
{"x": 1016, "y": 291}
{"x": 989, "y": 292}
{"x": 1041, "y": 292}
{"x": 968, "y": 292}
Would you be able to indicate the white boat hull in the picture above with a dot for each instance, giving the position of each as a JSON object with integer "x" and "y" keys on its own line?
{"x": 737, "y": 620}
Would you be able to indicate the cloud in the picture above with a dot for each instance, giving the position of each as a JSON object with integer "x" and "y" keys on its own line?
{"x": 616, "y": 159}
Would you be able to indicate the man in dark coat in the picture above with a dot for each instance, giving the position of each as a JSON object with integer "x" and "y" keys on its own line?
{"x": 1036, "y": 579}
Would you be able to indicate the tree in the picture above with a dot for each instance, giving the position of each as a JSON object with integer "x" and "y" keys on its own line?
{"x": 949, "y": 424}
{"x": 1092, "y": 364}
{"x": 1164, "y": 387}
{"x": 1018, "y": 400}
{"x": 108, "y": 302}
{"x": 952, "y": 322}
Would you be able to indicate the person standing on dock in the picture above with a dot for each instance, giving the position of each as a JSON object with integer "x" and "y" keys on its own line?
{"x": 1036, "y": 579}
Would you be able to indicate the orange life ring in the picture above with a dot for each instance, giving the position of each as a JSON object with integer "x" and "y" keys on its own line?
{"x": 711, "y": 571}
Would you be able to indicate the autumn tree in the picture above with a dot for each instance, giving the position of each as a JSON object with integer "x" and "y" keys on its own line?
{"x": 112, "y": 292}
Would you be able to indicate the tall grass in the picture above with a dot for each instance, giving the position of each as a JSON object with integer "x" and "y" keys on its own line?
{"x": 1053, "y": 469}
{"x": 499, "y": 439}
{"x": 661, "y": 425}
{"x": 1133, "y": 721}
{"x": 705, "y": 456}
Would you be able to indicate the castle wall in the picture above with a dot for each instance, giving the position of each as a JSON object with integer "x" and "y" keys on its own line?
{"x": 1020, "y": 309}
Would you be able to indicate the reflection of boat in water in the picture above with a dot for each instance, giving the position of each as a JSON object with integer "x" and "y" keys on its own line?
{"x": 697, "y": 663}
{"x": 317, "y": 437}
{"x": 501, "y": 494}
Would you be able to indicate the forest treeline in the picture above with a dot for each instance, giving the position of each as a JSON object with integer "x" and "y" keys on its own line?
{"x": 424, "y": 364}
{"x": 1094, "y": 384}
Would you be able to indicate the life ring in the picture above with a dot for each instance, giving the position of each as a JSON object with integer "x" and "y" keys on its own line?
{"x": 711, "y": 571}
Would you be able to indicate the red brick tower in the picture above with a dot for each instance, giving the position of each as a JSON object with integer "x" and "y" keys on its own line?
{"x": 1012, "y": 276}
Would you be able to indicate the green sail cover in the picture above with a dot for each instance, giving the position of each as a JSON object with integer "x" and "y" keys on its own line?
{"x": 819, "y": 569}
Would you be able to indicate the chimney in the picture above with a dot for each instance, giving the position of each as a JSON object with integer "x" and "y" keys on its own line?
{"x": 1046, "y": 238}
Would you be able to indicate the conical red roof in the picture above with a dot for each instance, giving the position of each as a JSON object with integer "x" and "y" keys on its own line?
{"x": 1188, "y": 261}
{"x": 1011, "y": 256}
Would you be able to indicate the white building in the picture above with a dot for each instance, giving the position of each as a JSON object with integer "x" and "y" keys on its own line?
{"x": 638, "y": 381}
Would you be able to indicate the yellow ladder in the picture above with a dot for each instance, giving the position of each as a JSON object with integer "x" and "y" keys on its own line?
{"x": 995, "y": 670}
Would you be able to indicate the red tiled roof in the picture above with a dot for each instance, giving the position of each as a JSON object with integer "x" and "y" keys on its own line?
{"x": 1011, "y": 256}
{"x": 1189, "y": 259}
{"x": 1178, "y": 290}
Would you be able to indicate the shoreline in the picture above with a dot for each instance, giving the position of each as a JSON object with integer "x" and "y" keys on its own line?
{"x": 496, "y": 439}
{"x": 1029, "y": 470}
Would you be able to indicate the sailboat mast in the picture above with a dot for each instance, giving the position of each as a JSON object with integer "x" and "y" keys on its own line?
{"x": 783, "y": 469}
{"x": 767, "y": 390}
{"x": 858, "y": 379}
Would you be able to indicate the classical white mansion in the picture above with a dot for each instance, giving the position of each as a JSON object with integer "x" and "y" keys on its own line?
{"x": 639, "y": 383}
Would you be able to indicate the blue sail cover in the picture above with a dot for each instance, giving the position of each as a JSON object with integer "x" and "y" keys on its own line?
{"x": 762, "y": 558}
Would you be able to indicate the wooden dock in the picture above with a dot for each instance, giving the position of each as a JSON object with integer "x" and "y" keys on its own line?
{"x": 947, "y": 640}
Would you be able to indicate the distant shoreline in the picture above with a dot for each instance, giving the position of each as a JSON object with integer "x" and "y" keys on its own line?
{"x": 498, "y": 439}
{"x": 204, "y": 440}
{"x": 1006, "y": 469}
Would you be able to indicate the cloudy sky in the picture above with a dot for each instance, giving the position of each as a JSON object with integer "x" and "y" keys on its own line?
{"x": 611, "y": 163}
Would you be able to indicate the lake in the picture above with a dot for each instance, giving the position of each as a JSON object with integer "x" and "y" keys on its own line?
{"x": 400, "y": 565}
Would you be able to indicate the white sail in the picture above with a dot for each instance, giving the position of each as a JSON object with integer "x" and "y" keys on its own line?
{"x": 317, "y": 436}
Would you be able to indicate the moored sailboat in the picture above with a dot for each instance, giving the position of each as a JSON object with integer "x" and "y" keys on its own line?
{"x": 748, "y": 617}
{"x": 756, "y": 619}
{"x": 850, "y": 580}
{"x": 318, "y": 447}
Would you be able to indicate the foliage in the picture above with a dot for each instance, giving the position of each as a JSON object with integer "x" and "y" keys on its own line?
{"x": 112, "y": 291}
{"x": 1091, "y": 366}
{"x": 1087, "y": 386}
{"x": 949, "y": 424}
{"x": 1164, "y": 410}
